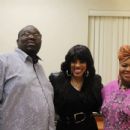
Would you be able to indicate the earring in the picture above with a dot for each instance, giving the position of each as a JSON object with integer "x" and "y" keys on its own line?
{"x": 68, "y": 74}
{"x": 87, "y": 73}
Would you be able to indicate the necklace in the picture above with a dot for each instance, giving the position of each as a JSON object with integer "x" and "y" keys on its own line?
{"x": 76, "y": 85}
{"x": 124, "y": 87}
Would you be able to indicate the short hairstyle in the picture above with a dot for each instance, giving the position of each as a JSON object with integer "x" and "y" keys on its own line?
{"x": 28, "y": 26}
{"x": 124, "y": 53}
{"x": 82, "y": 53}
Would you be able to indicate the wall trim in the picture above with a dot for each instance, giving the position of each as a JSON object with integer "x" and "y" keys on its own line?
{"x": 108, "y": 13}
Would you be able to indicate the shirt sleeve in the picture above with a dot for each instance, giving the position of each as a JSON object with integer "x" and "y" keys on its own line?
{"x": 97, "y": 91}
{"x": 52, "y": 112}
{"x": 2, "y": 73}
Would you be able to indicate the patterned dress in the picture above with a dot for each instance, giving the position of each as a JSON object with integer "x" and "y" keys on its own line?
{"x": 116, "y": 107}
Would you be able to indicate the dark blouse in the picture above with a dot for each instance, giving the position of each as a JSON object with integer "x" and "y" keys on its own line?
{"x": 68, "y": 100}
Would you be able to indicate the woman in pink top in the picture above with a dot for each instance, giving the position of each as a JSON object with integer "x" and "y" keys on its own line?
{"x": 116, "y": 95}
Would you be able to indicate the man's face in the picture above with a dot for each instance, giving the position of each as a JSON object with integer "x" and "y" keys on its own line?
{"x": 29, "y": 40}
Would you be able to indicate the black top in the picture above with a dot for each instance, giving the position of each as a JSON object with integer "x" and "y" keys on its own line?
{"x": 68, "y": 100}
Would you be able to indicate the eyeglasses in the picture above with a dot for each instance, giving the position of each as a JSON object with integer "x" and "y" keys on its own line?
{"x": 30, "y": 34}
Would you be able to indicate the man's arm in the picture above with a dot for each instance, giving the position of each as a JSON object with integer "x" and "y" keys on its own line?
{"x": 2, "y": 75}
{"x": 52, "y": 111}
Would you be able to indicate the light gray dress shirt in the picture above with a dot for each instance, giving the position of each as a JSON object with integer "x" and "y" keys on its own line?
{"x": 26, "y": 95}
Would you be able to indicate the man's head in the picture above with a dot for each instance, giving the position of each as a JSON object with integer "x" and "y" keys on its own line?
{"x": 124, "y": 65}
{"x": 29, "y": 40}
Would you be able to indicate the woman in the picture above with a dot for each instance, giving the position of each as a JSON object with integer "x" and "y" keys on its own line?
{"x": 77, "y": 91}
{"x": 116, "y": 95}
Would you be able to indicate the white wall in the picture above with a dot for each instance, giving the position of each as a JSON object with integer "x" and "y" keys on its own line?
{"x": 63, "y": 23}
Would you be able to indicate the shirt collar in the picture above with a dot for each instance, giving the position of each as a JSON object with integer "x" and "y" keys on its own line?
{"x": 26, "y": 57}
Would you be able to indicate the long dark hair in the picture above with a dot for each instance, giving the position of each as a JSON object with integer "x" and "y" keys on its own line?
{"x": 82, "y": 53}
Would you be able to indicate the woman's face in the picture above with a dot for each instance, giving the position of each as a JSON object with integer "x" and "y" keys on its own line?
{"x": 124, "y": 71}
{"x": 78, "y": 68}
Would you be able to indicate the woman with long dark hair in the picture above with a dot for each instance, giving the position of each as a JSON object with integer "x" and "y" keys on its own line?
{"x": 77, "y": 91}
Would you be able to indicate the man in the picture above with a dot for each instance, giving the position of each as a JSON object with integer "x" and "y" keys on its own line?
{"x": 26, "y": 96}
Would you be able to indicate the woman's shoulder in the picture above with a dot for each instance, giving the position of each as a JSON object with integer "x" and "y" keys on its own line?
{"x": 97, "y": 81}
{"x": 110, "y": 86}
{"x": 96, "y": 84}
{"x": 57, "y": 77}
{"x": 111, "y": 83}
{"x": 97, "y": 77}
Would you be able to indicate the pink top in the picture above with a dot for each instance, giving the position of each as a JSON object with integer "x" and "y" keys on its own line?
{"x": 116, "y": 107}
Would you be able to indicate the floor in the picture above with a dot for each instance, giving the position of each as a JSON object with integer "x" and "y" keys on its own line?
{"x": 99, "y": 120}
